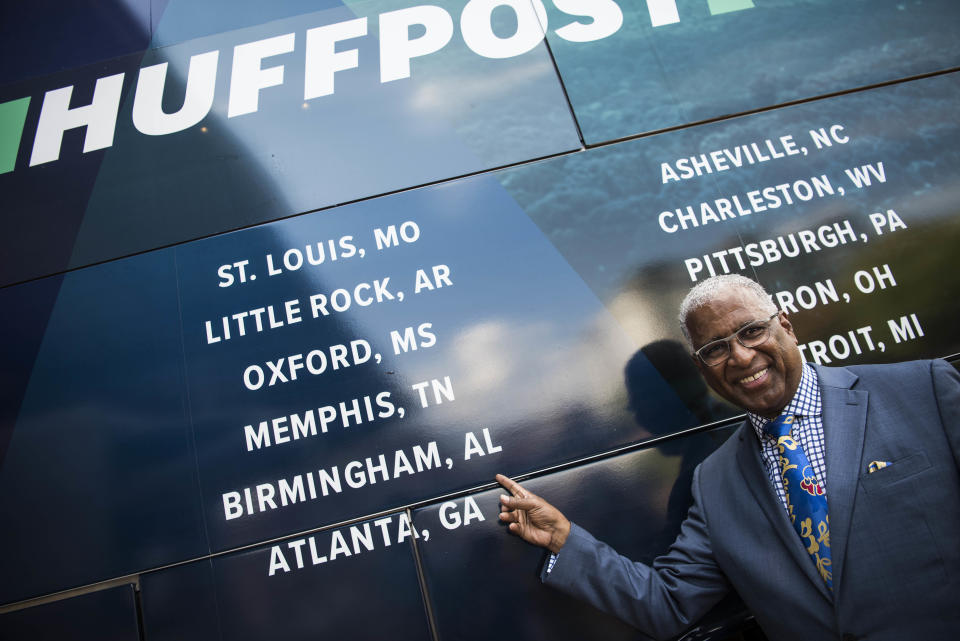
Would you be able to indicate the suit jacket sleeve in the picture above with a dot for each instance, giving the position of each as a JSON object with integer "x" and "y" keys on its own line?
{"x": 662, "y": 600}
{"x": 946, "y": 387}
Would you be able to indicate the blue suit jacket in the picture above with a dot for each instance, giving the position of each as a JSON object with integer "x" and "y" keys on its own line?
{"x": 895, "y": 533}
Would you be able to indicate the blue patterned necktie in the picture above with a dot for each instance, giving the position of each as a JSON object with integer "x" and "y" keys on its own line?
{"x": 806, "y": 499}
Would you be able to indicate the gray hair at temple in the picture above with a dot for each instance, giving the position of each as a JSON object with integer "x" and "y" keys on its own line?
{"x": 708, "y": 290}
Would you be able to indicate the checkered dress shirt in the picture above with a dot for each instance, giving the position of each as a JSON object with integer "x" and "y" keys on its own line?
{"x": 808, "y": 431}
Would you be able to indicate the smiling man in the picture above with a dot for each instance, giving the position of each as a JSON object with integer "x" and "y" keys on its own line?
{"x": 745, "y": 349}
{"x": 834, "y": 510}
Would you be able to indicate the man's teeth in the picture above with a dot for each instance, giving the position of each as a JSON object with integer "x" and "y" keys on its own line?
{"x": 750, "y": 379}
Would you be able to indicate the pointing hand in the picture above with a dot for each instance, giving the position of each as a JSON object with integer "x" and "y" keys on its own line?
{"x": 531, "y": 518}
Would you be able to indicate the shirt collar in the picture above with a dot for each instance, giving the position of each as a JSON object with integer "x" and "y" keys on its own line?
{"x": 805, "y": 402}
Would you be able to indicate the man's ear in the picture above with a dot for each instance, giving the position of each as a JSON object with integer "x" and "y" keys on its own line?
{"x": 787, "y": 326}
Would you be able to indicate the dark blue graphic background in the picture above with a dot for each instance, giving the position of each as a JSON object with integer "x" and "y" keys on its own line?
{"x": 533, "y": 189}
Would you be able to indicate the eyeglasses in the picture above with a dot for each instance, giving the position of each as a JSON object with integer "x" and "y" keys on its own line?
{"x": 752, "y": 335}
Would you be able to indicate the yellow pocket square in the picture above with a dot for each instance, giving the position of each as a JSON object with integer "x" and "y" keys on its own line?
{"x": 876, "y": 465}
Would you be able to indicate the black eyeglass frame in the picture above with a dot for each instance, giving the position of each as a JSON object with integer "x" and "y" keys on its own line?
{"x": 726, "y": 341}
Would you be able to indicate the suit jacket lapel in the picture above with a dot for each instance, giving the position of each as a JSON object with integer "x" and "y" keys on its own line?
{"x": 844, "y": 426}
{"x": 755, "y": 477}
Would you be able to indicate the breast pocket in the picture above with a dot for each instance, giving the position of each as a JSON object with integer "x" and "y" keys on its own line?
{"x": 895, "y": 472}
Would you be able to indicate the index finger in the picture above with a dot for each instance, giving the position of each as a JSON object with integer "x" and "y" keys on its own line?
{"x": 515, "y": 488}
